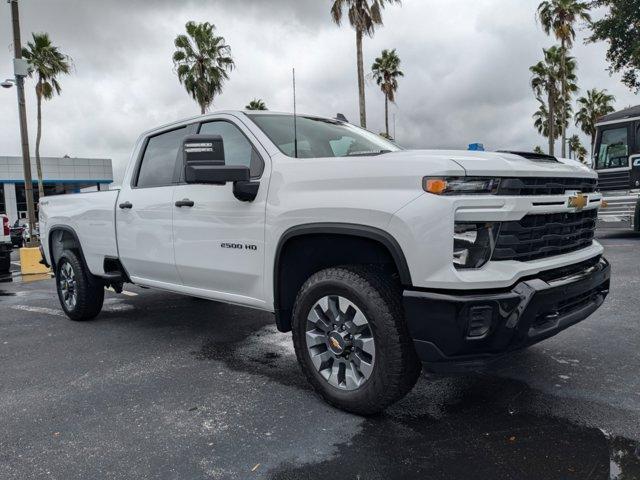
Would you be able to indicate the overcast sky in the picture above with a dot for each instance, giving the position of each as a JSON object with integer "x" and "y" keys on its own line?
{"x": 465, "y": 63}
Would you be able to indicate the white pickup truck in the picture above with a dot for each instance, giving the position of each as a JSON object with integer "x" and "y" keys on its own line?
{"x": 380, "y": 260}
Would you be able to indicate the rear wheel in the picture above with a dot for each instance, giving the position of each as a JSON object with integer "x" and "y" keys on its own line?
{"x": 81, "y": 294}
{"x": 351, "y": 339}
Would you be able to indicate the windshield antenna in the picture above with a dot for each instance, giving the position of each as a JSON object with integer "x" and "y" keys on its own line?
{"x": 295, "y": 121}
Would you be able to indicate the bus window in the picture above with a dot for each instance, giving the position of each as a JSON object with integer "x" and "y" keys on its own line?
{"x": 614, "y": 149}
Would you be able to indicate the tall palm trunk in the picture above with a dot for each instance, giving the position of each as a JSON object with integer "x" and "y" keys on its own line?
{"x": 386, "y": 113}
{"x": 38, "y": 137}
{"x": 202, "y": 110}
{"x": 564, "y": 99}
{"x": 363, "y": 113}
{"x": 552, "y": 122}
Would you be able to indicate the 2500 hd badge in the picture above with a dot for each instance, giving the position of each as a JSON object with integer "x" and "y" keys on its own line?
{"x": 239, "y": 246}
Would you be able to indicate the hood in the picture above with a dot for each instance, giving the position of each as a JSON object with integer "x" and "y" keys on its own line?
{"x": 495, "y": 164}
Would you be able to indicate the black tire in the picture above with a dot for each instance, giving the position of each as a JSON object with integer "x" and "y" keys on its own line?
{"x": 5, "y": 263}
{"x": 396, "y": 368}
{"x": 88, "y": 288}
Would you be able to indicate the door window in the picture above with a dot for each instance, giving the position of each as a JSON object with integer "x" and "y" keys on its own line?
{"x": 614, "y": 149}
{"x": 237, "y": 148}
{"x": 159, "y": 159}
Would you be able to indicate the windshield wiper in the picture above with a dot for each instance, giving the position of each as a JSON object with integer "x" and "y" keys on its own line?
{"x": 368, "y": 154}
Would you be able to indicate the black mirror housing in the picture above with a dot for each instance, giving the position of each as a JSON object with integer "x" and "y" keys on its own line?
{"x": 216, "y": 174}
{"x": 204, "y": 161}
{"x": 203, "y": 149}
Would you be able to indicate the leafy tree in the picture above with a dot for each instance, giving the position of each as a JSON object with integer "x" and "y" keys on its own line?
{"x": 538, "y": 149}
{"x": 202, "y": 62}
{"x": 46, "y": 63}
{"x": 559, "y": 17}
{"x": 620, "y": 28}
{"x": 386, "y": 70}
{"x": 256, "y": 104}
{"x": 591, "y": 107}
{"x": 364, "y": 16}
{"x": 546, "y": 84}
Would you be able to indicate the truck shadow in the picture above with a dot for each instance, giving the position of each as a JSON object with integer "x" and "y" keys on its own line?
{"x": 471, "y": 426}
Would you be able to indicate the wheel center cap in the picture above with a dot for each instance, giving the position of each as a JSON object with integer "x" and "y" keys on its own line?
{"x": 337, "y": 343}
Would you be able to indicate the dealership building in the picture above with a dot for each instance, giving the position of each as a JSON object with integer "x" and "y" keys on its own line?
{"x": 59, "y": 176}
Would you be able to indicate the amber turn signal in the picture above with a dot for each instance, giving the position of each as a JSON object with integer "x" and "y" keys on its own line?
{"x": 436, "y": 186}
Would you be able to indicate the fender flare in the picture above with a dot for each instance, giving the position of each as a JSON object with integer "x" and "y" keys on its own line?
{"x": 73, "y": 233}
{"x": 347, "y": 229}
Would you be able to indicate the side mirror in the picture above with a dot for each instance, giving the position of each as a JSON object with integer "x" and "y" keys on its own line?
{"x": 204, "y": 162}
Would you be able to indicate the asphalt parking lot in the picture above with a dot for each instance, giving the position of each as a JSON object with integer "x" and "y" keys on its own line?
{"x": 164, "y": 386}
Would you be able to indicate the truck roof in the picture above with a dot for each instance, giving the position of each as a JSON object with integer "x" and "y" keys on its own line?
{"x": 206, "y": 116}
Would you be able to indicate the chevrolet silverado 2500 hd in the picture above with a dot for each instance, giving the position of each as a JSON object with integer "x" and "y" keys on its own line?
{"x": 379, "y": 260}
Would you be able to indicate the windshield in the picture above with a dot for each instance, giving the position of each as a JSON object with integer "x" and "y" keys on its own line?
{"x": 320, "y": 137}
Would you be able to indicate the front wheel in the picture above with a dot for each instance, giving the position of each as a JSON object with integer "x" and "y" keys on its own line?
{"x": 351, "y": 339}
{"x": 81, "y": 294}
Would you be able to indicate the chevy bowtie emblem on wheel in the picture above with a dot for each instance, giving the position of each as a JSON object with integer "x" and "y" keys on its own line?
{"x": 578, "y": 201}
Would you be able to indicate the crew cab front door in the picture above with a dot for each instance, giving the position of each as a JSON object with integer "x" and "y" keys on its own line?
{"x": 218, "y": 239}
{"x": 144, "y": 211}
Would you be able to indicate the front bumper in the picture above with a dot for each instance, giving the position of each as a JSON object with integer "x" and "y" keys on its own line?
{"x": 467, "y": 330}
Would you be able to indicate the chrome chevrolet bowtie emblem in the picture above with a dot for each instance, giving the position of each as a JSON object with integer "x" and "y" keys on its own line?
{"x": 578, "y": 201}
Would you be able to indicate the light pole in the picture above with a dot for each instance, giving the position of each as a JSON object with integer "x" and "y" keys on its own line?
{"x": 20, "y": 71}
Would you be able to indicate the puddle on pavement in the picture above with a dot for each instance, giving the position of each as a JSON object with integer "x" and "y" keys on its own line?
{"x": 4, "y": 293}
{"x": 472, "y": 426}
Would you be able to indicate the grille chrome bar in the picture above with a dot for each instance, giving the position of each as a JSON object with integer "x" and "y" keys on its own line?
{"x": 545, "y": 235}
{"x": 545, "y": 186}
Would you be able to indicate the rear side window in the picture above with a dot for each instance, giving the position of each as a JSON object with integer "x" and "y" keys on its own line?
{"x": 159, "y": 159}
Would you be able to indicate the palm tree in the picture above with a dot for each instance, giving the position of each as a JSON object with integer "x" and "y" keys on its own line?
{"x": 46, "y": 62}
{"x": 574, "y": 143}
{"x": 256, "y": 104}
{"x": 546, "y": 82}
{"x": 541, "y": 122}
{"x": 591, "y": 107}
{"x": 538, "y": 149}
{"x": 202, "y": 61}
{"x": 364, "y": 16}
{"x": 559, "y": 17}
{"x": 386, "y": 70}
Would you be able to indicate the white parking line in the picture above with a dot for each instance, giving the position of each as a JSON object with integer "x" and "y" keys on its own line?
{"x": 48, "y": 311}
{"x": 16, "y": 263}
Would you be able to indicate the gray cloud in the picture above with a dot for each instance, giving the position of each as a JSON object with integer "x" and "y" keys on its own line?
{"x": 465, "y": 62}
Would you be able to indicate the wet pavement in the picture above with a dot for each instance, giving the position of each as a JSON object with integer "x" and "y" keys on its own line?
{"x": 164, "y": 386}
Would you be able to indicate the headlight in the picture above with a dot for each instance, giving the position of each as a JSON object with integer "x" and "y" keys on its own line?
{"x": 473, "y": 244}
{"x": 460, "y": 185}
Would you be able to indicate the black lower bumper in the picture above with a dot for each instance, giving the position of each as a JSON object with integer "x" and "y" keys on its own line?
{"x": 466, "y": 331}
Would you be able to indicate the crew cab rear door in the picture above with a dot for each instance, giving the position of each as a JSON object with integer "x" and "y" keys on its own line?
{"x": 144, "y": 210}
{"x": 218, "y": 239}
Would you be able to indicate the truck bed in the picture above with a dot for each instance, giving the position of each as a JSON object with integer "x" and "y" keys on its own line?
{"x": 92, "y": 218}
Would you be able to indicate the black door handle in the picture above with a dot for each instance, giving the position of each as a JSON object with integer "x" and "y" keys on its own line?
{"x": 126, "y": 205}
{"x": 185, "y": 202}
